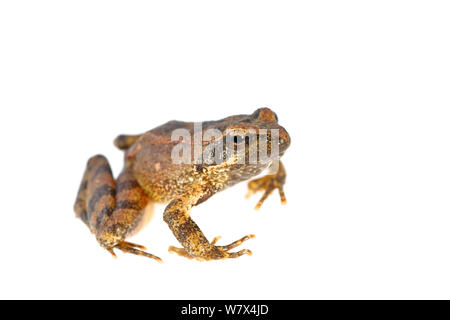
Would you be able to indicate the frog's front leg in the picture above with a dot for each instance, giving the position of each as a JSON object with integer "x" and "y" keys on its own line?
{"x": 268, "y": 184}
{"x": 195, "y": 245}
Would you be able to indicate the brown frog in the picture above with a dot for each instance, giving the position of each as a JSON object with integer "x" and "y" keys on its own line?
{"x": 115, "y": 209}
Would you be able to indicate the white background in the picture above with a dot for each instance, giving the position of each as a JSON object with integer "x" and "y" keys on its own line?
{"x": 361, "y": 86}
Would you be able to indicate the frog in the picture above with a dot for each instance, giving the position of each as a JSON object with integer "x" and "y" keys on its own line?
{"x": 116, "y": 209}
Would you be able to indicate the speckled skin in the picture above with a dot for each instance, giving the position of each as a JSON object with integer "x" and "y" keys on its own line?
{"x": 116, "y": 209}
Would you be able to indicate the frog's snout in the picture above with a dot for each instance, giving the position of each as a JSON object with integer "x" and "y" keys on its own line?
{"x": 284, "y": 139}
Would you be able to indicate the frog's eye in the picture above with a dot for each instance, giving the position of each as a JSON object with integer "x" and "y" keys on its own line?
{"x": 265, "y": 115}
{"x": 238, "y": 139}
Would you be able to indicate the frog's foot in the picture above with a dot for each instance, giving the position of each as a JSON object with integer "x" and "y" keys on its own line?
{"x": 216, "y": 252}
{"x": 133, "y": 248}
{"x": 266, "y": 184}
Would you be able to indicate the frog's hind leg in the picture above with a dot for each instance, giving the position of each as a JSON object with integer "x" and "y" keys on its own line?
{"x": 96, "y": 195}
{"x": 128, "y": 216}
{"x": 123, "y": 141}
{"x": 112, "y": 210}
{"x": 268, "y": 184}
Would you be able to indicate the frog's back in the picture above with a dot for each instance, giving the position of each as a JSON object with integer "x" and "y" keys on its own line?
{"x": 151, "y": 160}
{"x": 165, "y": 131}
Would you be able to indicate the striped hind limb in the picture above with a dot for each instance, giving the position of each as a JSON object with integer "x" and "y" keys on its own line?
{"x": 112, "y": 209}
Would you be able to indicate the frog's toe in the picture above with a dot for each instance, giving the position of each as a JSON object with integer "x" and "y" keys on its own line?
{"x": 225, "y": 254}
{"x": 134, "y": 245}
{"x": 233, "y": 244}
{"x": 238, "y": 254}
{"x": 214, "y": 241}
{"x": 181, "y": 252}
{"x": 129, "y": 247}
{"x": 282, "y": 195}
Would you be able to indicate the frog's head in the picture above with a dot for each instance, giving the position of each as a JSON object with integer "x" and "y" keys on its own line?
{"x": 266, "y": 119}
{"x": 256, "y": 139}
